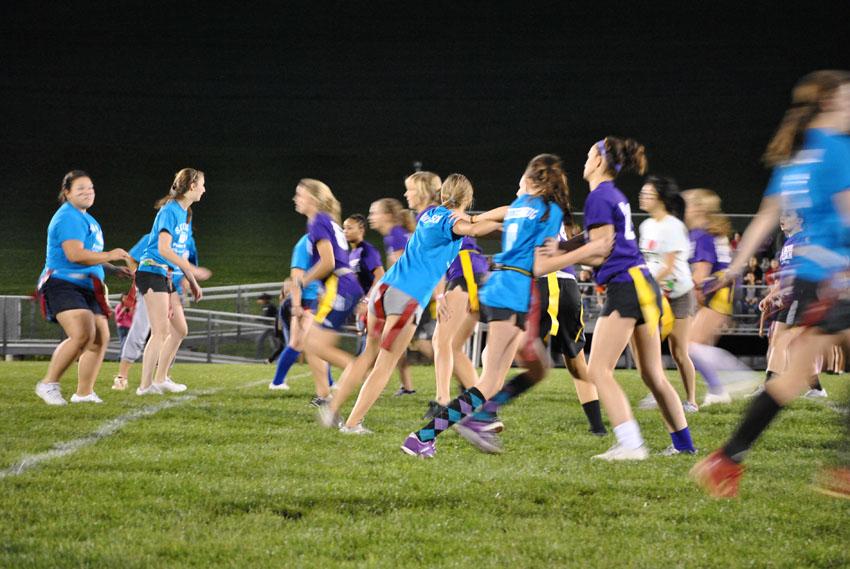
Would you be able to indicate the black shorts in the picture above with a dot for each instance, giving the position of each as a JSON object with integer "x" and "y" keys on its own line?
{"x": 426, "y": 325}
{"x": 622, "y": 298}
{"x": 807, "y": 309}
{"x": 61, "y": 295}
{"x": 146, "y": 280}
{"x": 492, "y": 314}
{"x": 479, "y": 279}
{"x": 568, "y": 337}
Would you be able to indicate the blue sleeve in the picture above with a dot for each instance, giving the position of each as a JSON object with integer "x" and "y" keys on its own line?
{"x": 774, "y": 186}
{"x": 166, "y": 220}
{"x": 448, "y": 223}
{"x": 139, "y": 248}
{"x": 597, "y": 211}
{"x": 839, "y": 157}
{"x": 69, "y": 228}
{"x": 553, "y": 225}
{"x": 300, "y": 255}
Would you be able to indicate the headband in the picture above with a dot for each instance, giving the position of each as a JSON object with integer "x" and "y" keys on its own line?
{"x": 600, "y": 146}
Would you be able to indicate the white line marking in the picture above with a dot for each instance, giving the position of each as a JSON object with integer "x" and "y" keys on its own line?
{"x": 111, "y": 427}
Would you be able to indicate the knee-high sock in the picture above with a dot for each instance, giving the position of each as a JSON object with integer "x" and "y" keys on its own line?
{"x": 330, "y": 377}
{"x": 594, "y": 416}
{"x": 511, "y": 390}
{"x": 287, "y": 358}
{"x": 761, "y": 412}
{"x": 456, "y": 410}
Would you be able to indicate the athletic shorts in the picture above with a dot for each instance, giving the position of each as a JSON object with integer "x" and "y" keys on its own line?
{"x": 684, "y": 306}
{"x": 425, "y": 324}
{"x": 561, "y": 315}
{"x": 493, "y": 314}
{"x": 334, "y": 307}
{"x": 394, "y": 300}
{"x": 461, "y": 282}
{"x": 622, "y": 298}
{"x": 61, "y": 295}
{"x": 310, "y": 305}
{"x": 808, "y": 309}
{"x": 146, "y": 280}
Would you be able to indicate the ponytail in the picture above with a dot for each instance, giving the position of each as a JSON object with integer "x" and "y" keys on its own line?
{"x": 623, "y": 155}
{"x": 545, "y": 173}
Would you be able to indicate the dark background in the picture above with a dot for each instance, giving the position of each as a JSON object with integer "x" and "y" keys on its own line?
{"x": 353, "y": 93}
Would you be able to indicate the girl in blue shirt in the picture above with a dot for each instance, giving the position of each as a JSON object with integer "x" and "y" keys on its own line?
{"x": 72, "y": 290}
{"x": 402, "y": 293}
{"x": 505, "y": 301}
{"x": 633, "y": 307}
{"x": 166, "y": 253}
{"x": 810, "y": 153}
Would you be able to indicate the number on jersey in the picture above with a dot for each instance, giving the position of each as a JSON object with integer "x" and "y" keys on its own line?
{"x": 629, "y": 229}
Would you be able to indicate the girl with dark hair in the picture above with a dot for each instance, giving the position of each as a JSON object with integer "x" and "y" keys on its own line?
{"x": 365, "y": 261}
{"x": 810, "y": 154}
{"x": 166, "y": 252}
{"x": 400, "y": 296}
{"x": 633, "y": 308}
{"x": 665, "y": 245}
{"x": 72, "y": 291}
{"x": 506, "y": 299}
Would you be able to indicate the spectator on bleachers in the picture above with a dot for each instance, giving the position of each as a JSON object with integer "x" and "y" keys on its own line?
{"x": 733, "y": 243}
{"x": 754, "y": 267}
{"x": 771, "y": 276}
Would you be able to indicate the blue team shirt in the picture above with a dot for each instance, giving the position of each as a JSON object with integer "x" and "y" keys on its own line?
{"x": 363, "y": 260}
{"x": 428, "y": 254}
{"x": 173, "y": 219}
{"x": 606, "y": 205}
{"x": 323, "y": 228}
{"x": 808, "y": 184}
{"x": 136, "y": 250}
{"x": 301, "y": 259}
{"x": 522, "y": 230}
{"x": 69, "y": 223}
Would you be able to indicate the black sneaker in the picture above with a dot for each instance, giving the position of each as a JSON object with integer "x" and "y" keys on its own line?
{"x": 402, "y": 391}
{"x": 434, "y": 409}
{"x": 317, "y": 401}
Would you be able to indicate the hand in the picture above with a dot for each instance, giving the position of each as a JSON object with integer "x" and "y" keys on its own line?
{"x": 443, "y": 312}
{"x": 602, "y": 246}
{"x": 297, "y": 310}
{"x": 458, "y": 215}
{"x": 124, "y": 272}
{"x": 118, "y": 255}
{"x": 195, "y": 288}
{"x": 201, "y": 273}
{"x": 550, "y": 247}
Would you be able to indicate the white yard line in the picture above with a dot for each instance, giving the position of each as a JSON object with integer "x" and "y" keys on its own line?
{"x": 111, "y": 427}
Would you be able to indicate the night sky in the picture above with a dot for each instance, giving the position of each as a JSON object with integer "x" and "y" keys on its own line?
{"x": 353, "y": 94}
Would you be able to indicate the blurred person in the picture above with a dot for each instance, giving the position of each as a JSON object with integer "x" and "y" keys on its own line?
{"x": 124, "y": 317}
{"x": 72, "y": 291}
{"x": 365, "y": 261}
{"x": 269, "y": 310}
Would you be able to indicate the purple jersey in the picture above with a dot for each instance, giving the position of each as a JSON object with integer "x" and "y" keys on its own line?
{"x": 480, "y": 266}
{"x": 786, "y": 272}
{"x": 396, "y": 240}
{"x": 323, "y": 228}
{"x": 606, "y": 205}
{"x": 364, "y": 259}
{"x": 707, "y": 248}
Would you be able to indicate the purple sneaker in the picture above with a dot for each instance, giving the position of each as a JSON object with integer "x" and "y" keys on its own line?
{"x": 414, "y": 447}
{"x": 480, "y": 434}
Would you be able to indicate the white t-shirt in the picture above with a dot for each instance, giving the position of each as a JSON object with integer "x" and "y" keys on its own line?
{"x": 665, "y": 236}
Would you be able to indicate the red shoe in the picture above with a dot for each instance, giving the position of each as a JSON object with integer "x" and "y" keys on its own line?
{"x": 718, "y": 475}
{"x": 834, "y": 482}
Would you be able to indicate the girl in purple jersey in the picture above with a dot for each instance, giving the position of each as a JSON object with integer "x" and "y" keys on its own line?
{"x": 341, "y": 290}
{"x": 633, "y": 308}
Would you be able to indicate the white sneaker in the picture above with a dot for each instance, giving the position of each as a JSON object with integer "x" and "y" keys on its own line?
{"x": 716, "y": 399}
{"x": 357, "y": 429}
{"x": 90, "y": 398}
{"x": 618, "y": 452}
{"x": 171, "y": 386}
{"x": 152, "y": 389}
{"x": 816, "y": 394}
{"x": 329, "y": 419}
{"x": 119, "y": 383}
{"x": 648, "y": 402}
{"x": 50, "y": 392}
{"x": 278, "y": 386}
{"x": 690, "y": 407}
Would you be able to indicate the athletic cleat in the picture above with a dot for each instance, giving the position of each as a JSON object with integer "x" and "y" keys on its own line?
{"x": 434, "y": 409}
{"x": 619, "y": 452}
{"x": 718, "y": 475}
{"x": 119, "y": 383}
{"x": 690, "y": 407}
{"x": 278, "y": 386}
{"x": 51, "y": 393}
{"x": 648, "y": 402}
{"x": 317, "y": 401}
{"x": 480, "y": 435}
{"x": 834, "y": 482}
{"x": 716, "y": 399}
{"x": 90, "y": 398}
{"x": 816, "y": 394}
{"x": 402, "y": 391}
{"x": 357, "y": 429}
{"x": 152, "y": 389}
{"x": 170, "y": 386}
{"x": 328, "y": 418}
{"x": 414, "y": 447}
{"x": 673, "y": 451}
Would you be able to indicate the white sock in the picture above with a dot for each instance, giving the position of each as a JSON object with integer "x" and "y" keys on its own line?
{"x": 628, "y": 435}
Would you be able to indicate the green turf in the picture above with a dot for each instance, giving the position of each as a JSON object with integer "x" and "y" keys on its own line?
{"x": 243, "y": 477}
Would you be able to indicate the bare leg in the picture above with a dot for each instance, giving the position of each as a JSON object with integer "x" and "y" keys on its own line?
{"x": 92, "y": 357}
{"x": 448, "y": 326}
{"x": 177, "y": 331}
{"x": 648, "y": 344}
{"x": 79, "y": 326}
{"x": 352, "y": 376}
{"x": 157, "y": 307}
{"x": 611, "y": 336}
{"x": 585, "y": 389}
{"x": 678, "y": 343}
{"x": 464, "y": 370}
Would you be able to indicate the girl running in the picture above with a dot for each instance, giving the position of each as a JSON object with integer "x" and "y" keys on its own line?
{"x": 536, "y": 214}
{"x": 810, "y": 153}
{"x": 167, "y": 252}
{"x": 72, "y": 290}
{"x": 665, "y": 245}
{"x": 633, "y": 307}
{"x": 401, "y": 295}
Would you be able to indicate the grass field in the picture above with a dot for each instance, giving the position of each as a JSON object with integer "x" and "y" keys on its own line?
{"x": 233, "y": 475}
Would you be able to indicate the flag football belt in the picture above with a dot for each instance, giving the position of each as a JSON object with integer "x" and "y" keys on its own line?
{"x": 381, "y": 318}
